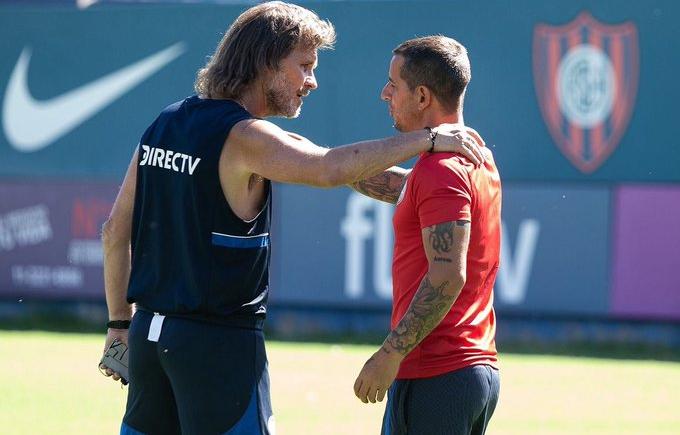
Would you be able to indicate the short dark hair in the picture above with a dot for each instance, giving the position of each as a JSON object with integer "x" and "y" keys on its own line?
{"x": 439, "y": 63}
{"x": 260, "y": 38}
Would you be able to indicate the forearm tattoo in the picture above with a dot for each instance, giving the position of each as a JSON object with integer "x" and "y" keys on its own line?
{"x": 384, "y": 187}
{"x": 429, "y": 306}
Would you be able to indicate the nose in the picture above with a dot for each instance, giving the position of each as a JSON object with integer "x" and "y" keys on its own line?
{"x": 385, "y": 93}
{"x": 310, "y": 81}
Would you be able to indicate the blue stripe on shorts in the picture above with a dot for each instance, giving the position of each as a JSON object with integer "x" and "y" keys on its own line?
{"x": 127, "y": 430}
{"x": 249, "y": 424}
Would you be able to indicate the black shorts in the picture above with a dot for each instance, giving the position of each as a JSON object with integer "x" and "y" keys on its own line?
{"x": 198, "y": 378}
{"x": 456, "y": 403}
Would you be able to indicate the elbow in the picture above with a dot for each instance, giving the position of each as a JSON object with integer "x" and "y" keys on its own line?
{"x": 336, "y": 170}
{"x": 332, "y": 176}
{"x": 334, "y": 180}
{"x": 113, "y": 234}
{"x": 458, "y": 282}
{"x": 451, "y": 282}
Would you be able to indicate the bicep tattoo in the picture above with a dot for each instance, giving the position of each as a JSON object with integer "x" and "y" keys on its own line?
{"x": 441, "y": 236}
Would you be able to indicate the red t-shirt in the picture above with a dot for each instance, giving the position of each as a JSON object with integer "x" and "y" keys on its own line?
{"x": 446, "y": 187}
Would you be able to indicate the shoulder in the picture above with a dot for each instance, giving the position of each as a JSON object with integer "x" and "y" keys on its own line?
{"x": 253, "y": 130}
{"x": 442, "y": 168}
{"x": 176, "y": 106}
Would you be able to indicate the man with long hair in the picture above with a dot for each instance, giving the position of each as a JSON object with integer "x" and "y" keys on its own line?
{"x": 187, "y": 241}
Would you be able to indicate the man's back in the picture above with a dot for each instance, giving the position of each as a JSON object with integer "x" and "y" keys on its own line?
{"x": 446, "y": 188}
{"x": 191, "y": 255}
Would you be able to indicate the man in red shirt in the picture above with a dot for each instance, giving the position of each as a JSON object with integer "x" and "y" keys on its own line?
{"x": 441, "y": 348}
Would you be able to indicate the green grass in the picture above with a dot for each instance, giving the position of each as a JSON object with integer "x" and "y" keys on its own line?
{"x": 50, "y": 385}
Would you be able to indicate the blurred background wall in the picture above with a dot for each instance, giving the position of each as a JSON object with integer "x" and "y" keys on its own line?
{"x": 577, "y": 100}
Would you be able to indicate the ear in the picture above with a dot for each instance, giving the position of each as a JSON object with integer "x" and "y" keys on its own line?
{"x": 424, "y": 96}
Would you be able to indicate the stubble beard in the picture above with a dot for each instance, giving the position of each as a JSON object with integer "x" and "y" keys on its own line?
{"x": 398, "y": 125}
{"x": 279, "y": 102}
{"x": 406, "y": 114}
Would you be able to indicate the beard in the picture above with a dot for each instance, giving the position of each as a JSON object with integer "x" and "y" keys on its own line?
{"x": 279, "y": 101}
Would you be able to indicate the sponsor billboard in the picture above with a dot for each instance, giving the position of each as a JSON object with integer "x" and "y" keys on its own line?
{"x": 50, "y": 246}
{"x": 336, "y": 247}
{"x": 555, "y": 250}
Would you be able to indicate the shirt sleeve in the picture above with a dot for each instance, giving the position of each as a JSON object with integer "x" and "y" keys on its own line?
{"x": 442, "y": 192}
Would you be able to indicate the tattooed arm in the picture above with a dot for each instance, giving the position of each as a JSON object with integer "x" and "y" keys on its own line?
{"x": 385, "y": 186}
{"x": 446, "y": 247}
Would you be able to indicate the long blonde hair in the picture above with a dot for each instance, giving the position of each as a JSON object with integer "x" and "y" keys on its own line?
{"x": 260, "y": 38}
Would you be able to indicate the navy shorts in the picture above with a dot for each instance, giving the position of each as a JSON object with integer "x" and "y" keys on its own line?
{"x": 456, "y": 403}
{"x": 198, "y": 378}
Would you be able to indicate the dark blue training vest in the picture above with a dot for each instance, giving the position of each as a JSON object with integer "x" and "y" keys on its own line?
{"x": 191, "y": 255}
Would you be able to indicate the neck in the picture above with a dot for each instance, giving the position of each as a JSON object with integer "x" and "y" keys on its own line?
{"x": 433, "y": 119}
{"x": 254, "y": 101}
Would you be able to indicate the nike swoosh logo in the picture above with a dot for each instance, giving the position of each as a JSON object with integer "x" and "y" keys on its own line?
{"x": 31, "y": 125}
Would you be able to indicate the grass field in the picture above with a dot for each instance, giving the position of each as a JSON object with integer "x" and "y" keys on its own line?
{"x": 49, "y": 384}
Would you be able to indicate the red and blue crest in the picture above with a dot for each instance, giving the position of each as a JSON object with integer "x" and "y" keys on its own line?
{"x": 586, "y": 76}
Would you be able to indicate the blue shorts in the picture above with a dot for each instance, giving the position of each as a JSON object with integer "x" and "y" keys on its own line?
{"x": 198, "y": 378}
{"x": 456, "y": 403}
